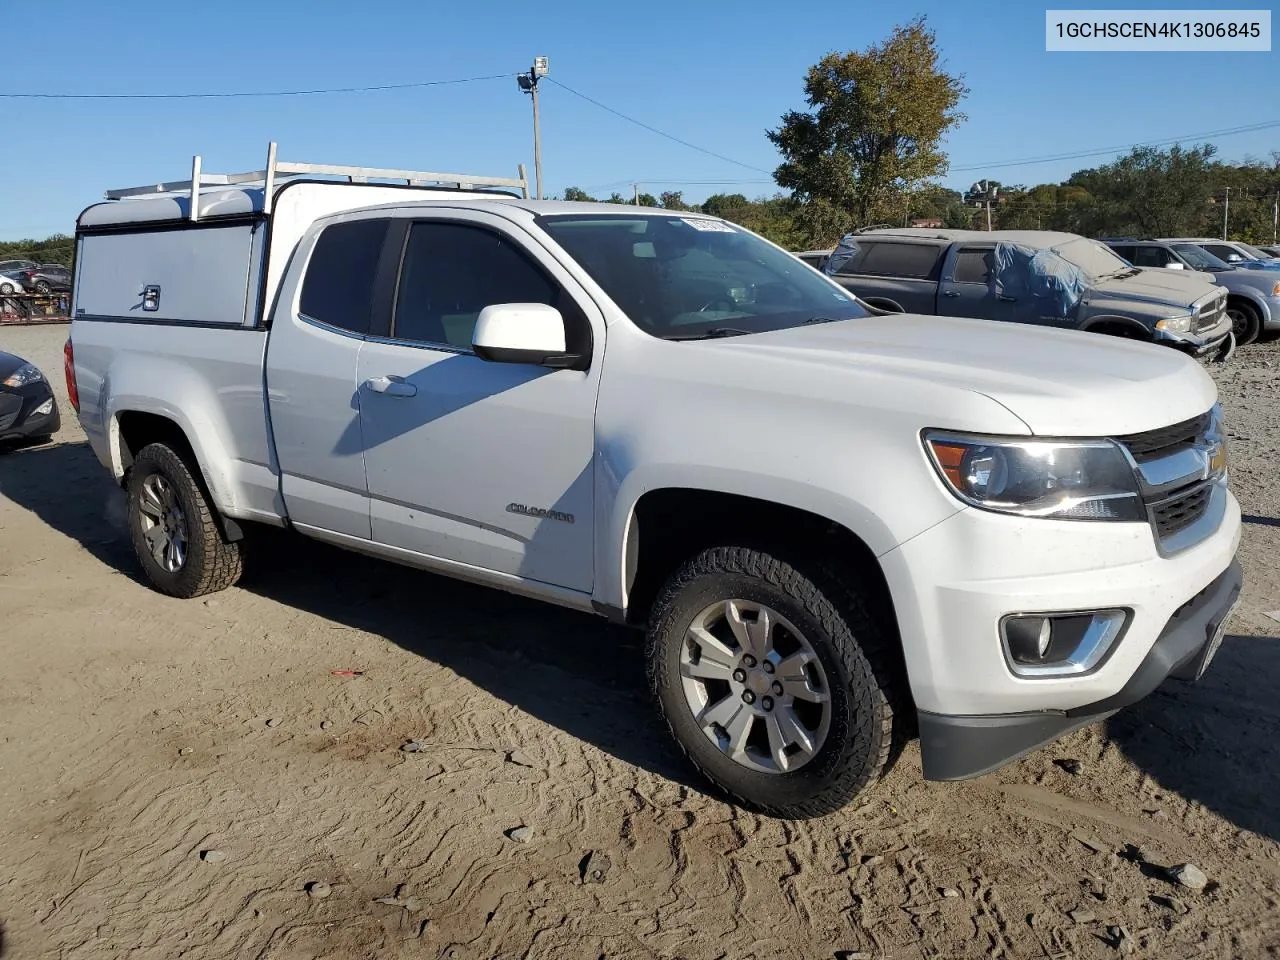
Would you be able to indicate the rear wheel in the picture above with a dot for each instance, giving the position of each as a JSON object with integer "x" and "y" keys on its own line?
{"x": 6, "y": 288}
{"x": 774, "y": 682}
{"x": 1246, "y": 323}
{"x": 42, "y": 287}
{"x": 173, "y": 529}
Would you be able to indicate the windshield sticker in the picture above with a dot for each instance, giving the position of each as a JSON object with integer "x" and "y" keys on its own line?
{"x": 707, "y": 226}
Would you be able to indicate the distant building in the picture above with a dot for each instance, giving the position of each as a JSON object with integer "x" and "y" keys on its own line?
{"x": 927, "y": 222}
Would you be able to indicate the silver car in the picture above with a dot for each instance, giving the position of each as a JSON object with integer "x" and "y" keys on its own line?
{"x": 1253, "y": 296}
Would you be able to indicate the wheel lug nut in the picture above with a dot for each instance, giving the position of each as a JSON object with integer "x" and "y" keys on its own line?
{"x": 748, "y": 696}
{"x": 748, "y": 661}
{"x": 740, "y": 675}
{"x": 768, "y": 666}
{"x": 777, "y": 689}
{"x": 767, "y": 703}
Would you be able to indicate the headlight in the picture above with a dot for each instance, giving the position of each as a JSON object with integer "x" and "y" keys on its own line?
{"x": 1275, "y": 291}
{"x": 1175, "y": 324}
{"x": 1061, "y": 480}
{"x": 25, "y": 374}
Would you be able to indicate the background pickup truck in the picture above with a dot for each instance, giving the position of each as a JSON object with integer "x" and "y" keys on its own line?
{"x": 837, "y": 529}
{"x": 950, "y": 272}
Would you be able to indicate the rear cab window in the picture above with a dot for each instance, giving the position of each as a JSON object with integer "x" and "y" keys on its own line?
{"x": 338, "y": 287}
{"x": 890, "y": 258}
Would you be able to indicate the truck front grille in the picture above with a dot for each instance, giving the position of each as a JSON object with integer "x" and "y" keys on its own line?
{"x": 1154, "y": 444}
{"x": 1176, "y": 513}
{"x": 1175, "y": 502}
{"x": 1210, "y": 314}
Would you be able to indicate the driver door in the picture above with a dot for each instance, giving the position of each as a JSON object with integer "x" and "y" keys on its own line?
{"x": 965, "y": 290}
{"x": 477, "y": 462}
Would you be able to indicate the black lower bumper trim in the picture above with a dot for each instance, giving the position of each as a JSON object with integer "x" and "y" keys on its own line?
{"x": 957, "y": 748}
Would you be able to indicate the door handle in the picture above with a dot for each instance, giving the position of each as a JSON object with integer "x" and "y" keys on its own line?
{"x": 392, "y": 388}
{"x": 950, "y": 293}
{"x": 1001, "y": 296}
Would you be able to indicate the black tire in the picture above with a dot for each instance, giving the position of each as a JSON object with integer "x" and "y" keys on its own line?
{"x": 7, "y": 289}
{"x": 211, "y": 563}
{"x": 863, "y": 680}
{"x": 1246, "y": 322}
{"x": 42, "y": 287}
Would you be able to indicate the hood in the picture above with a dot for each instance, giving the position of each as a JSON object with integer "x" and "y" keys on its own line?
{"x": 1258, "y": 264}
{"x": 1180, "y": 288}
{"x": 1058, "y": 382}
{"x": 1259, "y": 281}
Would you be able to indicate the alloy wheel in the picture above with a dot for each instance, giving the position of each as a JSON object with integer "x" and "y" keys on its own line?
{"x": 164, "y": 525}
{"x": 755, "y": 686}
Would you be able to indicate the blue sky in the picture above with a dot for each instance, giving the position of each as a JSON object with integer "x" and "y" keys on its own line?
{"x": 717, "y": 74}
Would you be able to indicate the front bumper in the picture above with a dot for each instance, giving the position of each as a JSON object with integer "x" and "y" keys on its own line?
{"x": 959, "y": 747}
{"x": 952, "y": 584}
{"x": 1216, "y": 343}
{"x": 19, "y": 412}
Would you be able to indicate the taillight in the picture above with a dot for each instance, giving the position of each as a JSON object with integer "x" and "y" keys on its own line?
{"x": 69, "y": 368}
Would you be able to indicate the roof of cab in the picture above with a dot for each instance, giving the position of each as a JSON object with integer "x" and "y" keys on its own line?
{"x": 220, "y": 202}
{"x": 1031, "y": 238}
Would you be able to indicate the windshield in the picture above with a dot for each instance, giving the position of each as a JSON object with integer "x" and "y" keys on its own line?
{"x": 694, "y": 277}
{"x": 1094, "y": 259}
{"x": 1200, "y": 258}
{"x": 1255, "y": 252}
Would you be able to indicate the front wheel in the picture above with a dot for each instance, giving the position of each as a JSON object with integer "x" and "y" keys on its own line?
{"x": 173, "y": 529}
{"x": 1246, "y": 323}
{"x": 42, "y": 288}
{"x": 775, "y": 684}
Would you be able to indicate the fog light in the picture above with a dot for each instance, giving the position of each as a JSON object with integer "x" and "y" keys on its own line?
{"x": 1060, "y": 644}
{"x": 44, "y": 408}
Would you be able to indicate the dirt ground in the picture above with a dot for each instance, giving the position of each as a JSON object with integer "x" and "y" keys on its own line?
{"x": 138, "y": 732}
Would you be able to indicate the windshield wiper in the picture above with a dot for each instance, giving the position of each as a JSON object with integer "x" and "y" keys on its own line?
{"x": 820, "y": 320}
{"x": 713, "y": 334}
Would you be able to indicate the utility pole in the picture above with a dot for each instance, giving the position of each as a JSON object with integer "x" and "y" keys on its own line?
{"x": 636, "y": 188}
{"x": 529, "y": 84}
{"x": 1275, "y": 219}
{"x": 1226, "y": 210}
{"x": 982, "y": 194}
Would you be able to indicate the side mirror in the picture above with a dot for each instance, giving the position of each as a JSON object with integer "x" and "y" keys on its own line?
{"x": 522, "y": 333}
{"x": 1234, "y": 258}
{"x": 1174, "y": 265}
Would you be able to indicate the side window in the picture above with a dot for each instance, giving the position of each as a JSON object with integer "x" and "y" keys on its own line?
{"x": 338, "y": 287}
{"x": 915, "y": 261}
{"x": 1221, "y": 250}
{"x": 1149, "y": 257}
{"x": 973, "y": 265}
{"x": 453, "y": 271}
{"x": 1123, "y": 250}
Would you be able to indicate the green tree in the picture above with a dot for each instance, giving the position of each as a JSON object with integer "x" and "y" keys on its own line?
{"x": 648, "y": 200}
{"x": 1149, "y": 192}
{"x": 673, "y": 200}
{"x": 718, "y": 204}
{"x": 873, "y": 131}
{"x": 577, "y": 193}
{"x": 58, "y": 248}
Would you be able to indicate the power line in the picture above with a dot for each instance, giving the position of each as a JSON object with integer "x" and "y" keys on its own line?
{"x": 1103, "y": 151}
{"x": 661, "y": 133}
{"x": 250, "y": 93}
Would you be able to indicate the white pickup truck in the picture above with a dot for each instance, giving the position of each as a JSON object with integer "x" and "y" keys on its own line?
{"x": 839, "y": 529}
